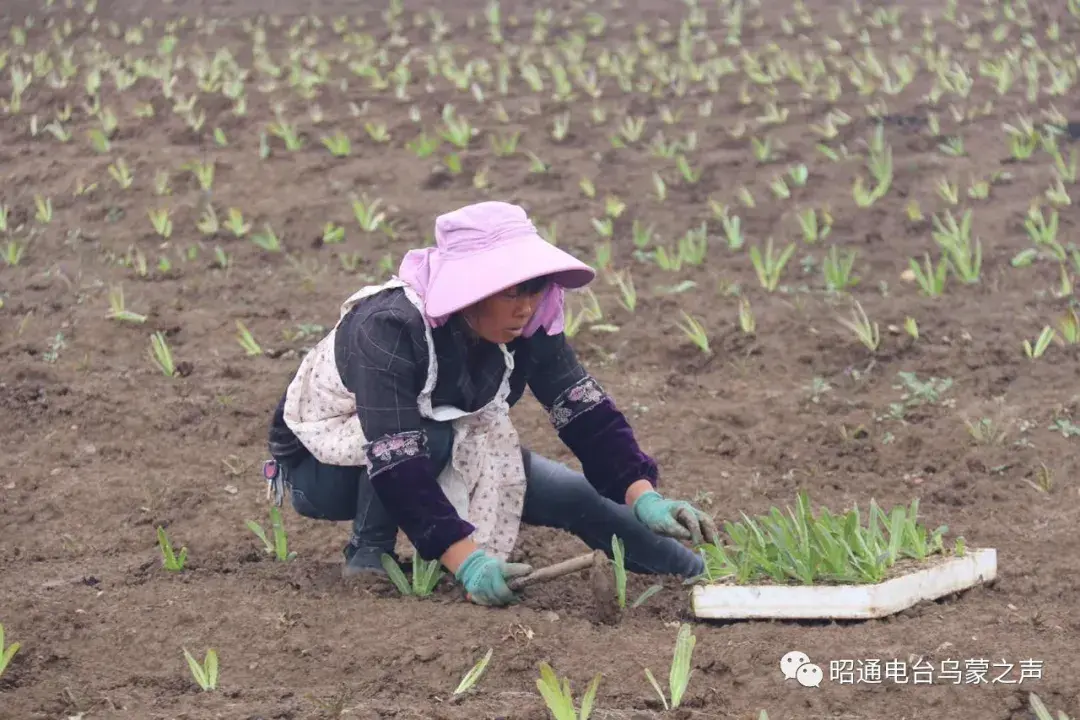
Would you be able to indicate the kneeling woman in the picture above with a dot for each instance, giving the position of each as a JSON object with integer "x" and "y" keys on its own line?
{"x": 399, "y": 417}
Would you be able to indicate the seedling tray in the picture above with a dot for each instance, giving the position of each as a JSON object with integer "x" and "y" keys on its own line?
{"x": 838, "y": 602}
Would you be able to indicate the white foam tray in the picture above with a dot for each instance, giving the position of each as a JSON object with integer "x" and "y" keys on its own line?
{"x": 808, "y": 602}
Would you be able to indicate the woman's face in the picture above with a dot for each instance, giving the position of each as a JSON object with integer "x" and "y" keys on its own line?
{"x": 501, "y": 317}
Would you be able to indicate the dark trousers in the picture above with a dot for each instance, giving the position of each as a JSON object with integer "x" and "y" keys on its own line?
{"x": 555, "y": 496}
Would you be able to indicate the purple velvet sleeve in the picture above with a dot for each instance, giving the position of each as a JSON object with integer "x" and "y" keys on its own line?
{"x": 601, "y": 437}
{"x": 403, "y": 475}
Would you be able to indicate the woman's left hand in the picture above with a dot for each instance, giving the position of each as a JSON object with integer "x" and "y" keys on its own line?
{"x": 674, "y": 518}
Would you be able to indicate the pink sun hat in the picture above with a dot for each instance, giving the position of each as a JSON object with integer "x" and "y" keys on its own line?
{"x": 483, "y": 249}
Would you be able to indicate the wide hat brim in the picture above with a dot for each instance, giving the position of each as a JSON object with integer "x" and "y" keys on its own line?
{"x": 464, "y": 280}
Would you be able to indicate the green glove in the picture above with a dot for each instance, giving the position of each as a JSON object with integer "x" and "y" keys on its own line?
{"x": 674, "y": 518}
{"x": 484, "y": 578}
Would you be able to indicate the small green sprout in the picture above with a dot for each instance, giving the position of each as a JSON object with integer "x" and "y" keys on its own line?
{"x": 161, "y": 354}
{"x": 769, "y": 266}
{"x": 470, "y": 679}
{"x": 559, "y": 699}
{"x": 279, "y": 546}
{"x": 6, "y": 653}
{"x": 206, "y": 673}
{"x": 247, "y": 340}
{"x": 425, "y": 575}
{"x": 169, "y": 559}
{"x": 695, "y": 331}
{"x": 338, "y": 144}
{"x": 1041, "y": 343}
{"x": 866, "y": 331}
{"x": 118, "y": 310}
{"x": 619, "y": 567}
{"x": 680, "y": 672}
{"x": 159, "y": 218}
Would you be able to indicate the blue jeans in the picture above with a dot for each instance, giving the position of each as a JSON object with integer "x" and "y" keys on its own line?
{"x": 555, "y": 497}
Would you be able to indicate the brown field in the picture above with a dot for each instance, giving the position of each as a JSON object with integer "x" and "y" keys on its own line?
{"x": 103, "y": 447}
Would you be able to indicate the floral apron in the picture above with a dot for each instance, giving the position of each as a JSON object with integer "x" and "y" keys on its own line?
{"x": 485, "y": 479}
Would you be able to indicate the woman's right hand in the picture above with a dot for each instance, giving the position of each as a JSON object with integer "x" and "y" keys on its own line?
{"x": 484, "y": 578}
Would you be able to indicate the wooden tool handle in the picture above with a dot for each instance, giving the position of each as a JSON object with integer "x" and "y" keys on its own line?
{"x": 551, "y": 572}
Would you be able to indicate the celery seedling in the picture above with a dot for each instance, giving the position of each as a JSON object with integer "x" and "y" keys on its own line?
{"x": 618, "y": 565}
{"x": 474, "y": 674}
{"x": 832, "y": 548}
{"x": 247, "y": 340}
{"x": 367, "y": 213}
{"x": 559, "y": 699}
{"x": 13, "y": 253}
{"x": 170, "y": 560}
{"x": 695, "y": 332}
{"x": 161, "y": 221}
{"x": 770, "y": 266}
{"x": 864, "y": 329}
{"x": 931, "y": 280}
{"x": 6, "y": 653}
{"x": 837, "y": 270}
{"x": 205, "y": 674}
{"x": 679, "y": 675}
{"x": 338, "y": 144}
{"x": 117, "y": 309}
{"x": 425, "y": 575}
{"x": 279, "y": 546}
{"x": 1041, "y": 343}
{"x": 161, "y": 354}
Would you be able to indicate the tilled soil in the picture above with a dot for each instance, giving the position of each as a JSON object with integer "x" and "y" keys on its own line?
{"x": 102, "y": 448}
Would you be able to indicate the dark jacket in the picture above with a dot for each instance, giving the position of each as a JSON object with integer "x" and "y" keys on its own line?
{"x": 382, "y": 358}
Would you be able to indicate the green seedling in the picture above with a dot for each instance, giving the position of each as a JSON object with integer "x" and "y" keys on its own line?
{"x": 208, "y": 223}
{"x": 680, "y": 672}
{"x": 838, "y": 271}
{"x": 866, "y": 331}
{"x": 504, "y": 145}
{"x": 618, "y": 566}
{"x": 279, "y": 546}
{"x": 769, "y": 266}
{"x": 1041, "y": 343}
{"x": 931, "y": 280}
{"x": 695, "y": 332}
{"x": 423, "y": 145}
{"x": 367, "y": 213}
{"x": 470, "y": 679}
{"x": 118, "y": 310}
{"x": 732, "y": 231}
{"x": 161, "y": 354}
{"x": 1036, "y": 704}
{"x": 624, "y": 281}
{"x": 236, "y": 224}
{"x": 809, "y": 549}
{"x": 203, "y": 172}
{"x": 747, "y": 321}
{"x": 43, "y": 207}
{"x": 964, "y": 255}
{"x": 1068, "y": 328}
{"x": 333, "y": 234}
{"x": 13, "y": 252}
{"x": 425, "y": 575}
{"x": 160, "y": 219}
{"x": 169, "y": 559}
{"x": 559, "y": 699}
{"x": 206, "y": 673}
{"x": 338, "y": 144}
{"x": 121, "y": 173}
{"x": 456, "y": 130}
{"x": 267, "y": 239}
{"x": 6, "y": 652}
{"x": 247, "y": 340}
